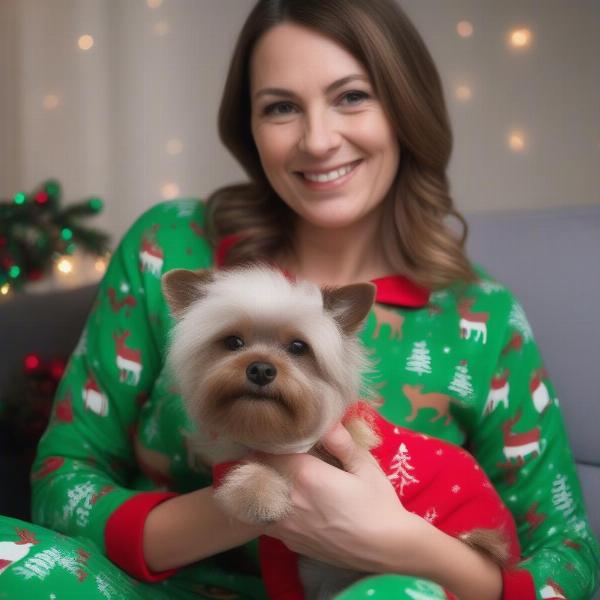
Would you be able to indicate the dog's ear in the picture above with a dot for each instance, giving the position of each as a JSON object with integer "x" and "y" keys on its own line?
{"x": 181, "y": 287}
{"x": 349, "y": 304}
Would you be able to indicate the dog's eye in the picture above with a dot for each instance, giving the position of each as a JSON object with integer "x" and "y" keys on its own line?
{"x": 298, "y": 347}
{"x": 233, "y": 342}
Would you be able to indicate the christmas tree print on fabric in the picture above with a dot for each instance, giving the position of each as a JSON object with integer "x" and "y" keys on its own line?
{"x": 461, "y": 382}
{"x": 400, "y": 468}
{"x": 420, "y": 359}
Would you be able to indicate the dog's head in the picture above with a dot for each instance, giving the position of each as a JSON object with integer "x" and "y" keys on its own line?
{"x": 262, "y": 360}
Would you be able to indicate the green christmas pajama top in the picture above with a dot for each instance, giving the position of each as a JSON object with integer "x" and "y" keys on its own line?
{"x": 459, "y": 364}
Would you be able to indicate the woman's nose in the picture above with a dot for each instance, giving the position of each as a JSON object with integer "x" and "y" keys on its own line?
{"x": 320, "y": 134}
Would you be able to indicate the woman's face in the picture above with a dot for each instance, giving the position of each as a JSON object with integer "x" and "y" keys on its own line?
{"x": 325, "y": 144}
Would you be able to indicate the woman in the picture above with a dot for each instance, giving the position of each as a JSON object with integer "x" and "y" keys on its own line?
{"x": 336, "y": 112}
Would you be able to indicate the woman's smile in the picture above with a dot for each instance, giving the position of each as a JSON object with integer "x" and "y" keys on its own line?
{"x": 329, "y": 179}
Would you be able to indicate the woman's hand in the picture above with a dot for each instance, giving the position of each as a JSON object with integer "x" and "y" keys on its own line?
{"x": 350, "y": 518}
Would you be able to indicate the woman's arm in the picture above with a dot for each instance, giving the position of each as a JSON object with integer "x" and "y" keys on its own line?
{"x": 85, "y": 461}
{"x": 190, "y": 527}
{"x": 523, "y": 447}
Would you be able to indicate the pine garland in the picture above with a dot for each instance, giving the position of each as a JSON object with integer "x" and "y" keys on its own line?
{"x": 35, "y": 230}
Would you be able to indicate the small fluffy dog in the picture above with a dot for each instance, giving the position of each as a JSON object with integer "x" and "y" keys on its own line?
{"x": 268, "y": 364}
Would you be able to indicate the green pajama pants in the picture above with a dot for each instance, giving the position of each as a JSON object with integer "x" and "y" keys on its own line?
{"x": 38, "y": 563}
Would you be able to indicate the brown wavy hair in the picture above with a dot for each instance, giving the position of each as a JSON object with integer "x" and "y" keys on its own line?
{"x": 416, "y": 237}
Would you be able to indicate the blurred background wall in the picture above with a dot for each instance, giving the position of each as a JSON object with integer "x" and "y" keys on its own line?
{"x": 132, "y": 118}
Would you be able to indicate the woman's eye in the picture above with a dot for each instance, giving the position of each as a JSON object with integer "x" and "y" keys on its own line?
{"x": 272, "y": 109}
{"x": 358, "y": 97}
{"x": 233, "y": 342}
{"x": 298, "y": 347}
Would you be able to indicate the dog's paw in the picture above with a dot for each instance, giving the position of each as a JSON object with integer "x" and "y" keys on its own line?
{"x": 254, "y": 493}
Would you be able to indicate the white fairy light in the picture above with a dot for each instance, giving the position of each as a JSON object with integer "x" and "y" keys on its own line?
{"x": 463, "y": 92}
{"x": 169, "y": 191}
{"x": 464, "y": 29}
{"x": 85, "y": 42}
{"x": 516, "y": 141}
{"x": 520, "y": 38}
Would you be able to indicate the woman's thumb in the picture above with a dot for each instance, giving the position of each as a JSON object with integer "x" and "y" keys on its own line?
{"x": 340, "y": 444}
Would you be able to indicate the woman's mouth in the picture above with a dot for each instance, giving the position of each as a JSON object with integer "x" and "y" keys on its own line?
{"x": 331, "y": 179}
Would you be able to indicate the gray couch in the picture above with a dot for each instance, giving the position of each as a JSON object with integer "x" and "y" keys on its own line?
{"x": 550, "y": 259}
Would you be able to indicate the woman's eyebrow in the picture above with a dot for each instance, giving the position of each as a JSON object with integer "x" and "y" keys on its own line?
{"x": 330, "y": 88}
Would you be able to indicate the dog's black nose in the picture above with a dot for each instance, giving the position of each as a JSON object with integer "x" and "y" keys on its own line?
{"x": 261, "y": 373}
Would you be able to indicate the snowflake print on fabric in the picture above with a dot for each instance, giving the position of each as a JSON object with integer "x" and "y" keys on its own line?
{"x": 420, "y": 359}
{"x": 518, "y": 320}
{"x": 461, "y": 382}
{"x": 431, "y": 515}
{"x": 400, "y": 467}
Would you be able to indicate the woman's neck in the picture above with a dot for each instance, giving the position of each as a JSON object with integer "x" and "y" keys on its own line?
{"x": 337, "y": 257}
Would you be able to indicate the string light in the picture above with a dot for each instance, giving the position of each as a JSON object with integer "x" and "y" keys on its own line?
{"x": 85, "y": 42}
{"x": 5, "y": 289}
{"x": 516, "y": 141}
{"x": 100, "y": 265}
{"x": 170, "y": 191}
{"x": 463, "y": 92}
{"x": 64, "y": 266}
{"x": 464, "y": 29}
{"x": 520, "y": 38}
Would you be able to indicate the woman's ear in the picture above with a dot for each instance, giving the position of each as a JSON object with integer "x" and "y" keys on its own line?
{"x": 181, "y": 287}
{"x": 349, "y": 304}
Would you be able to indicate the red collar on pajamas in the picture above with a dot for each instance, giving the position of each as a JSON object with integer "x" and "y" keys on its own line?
{"x": 395, "y": 290}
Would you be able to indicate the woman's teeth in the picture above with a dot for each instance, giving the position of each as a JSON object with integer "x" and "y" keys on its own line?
{"x": 332, "y": 175}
